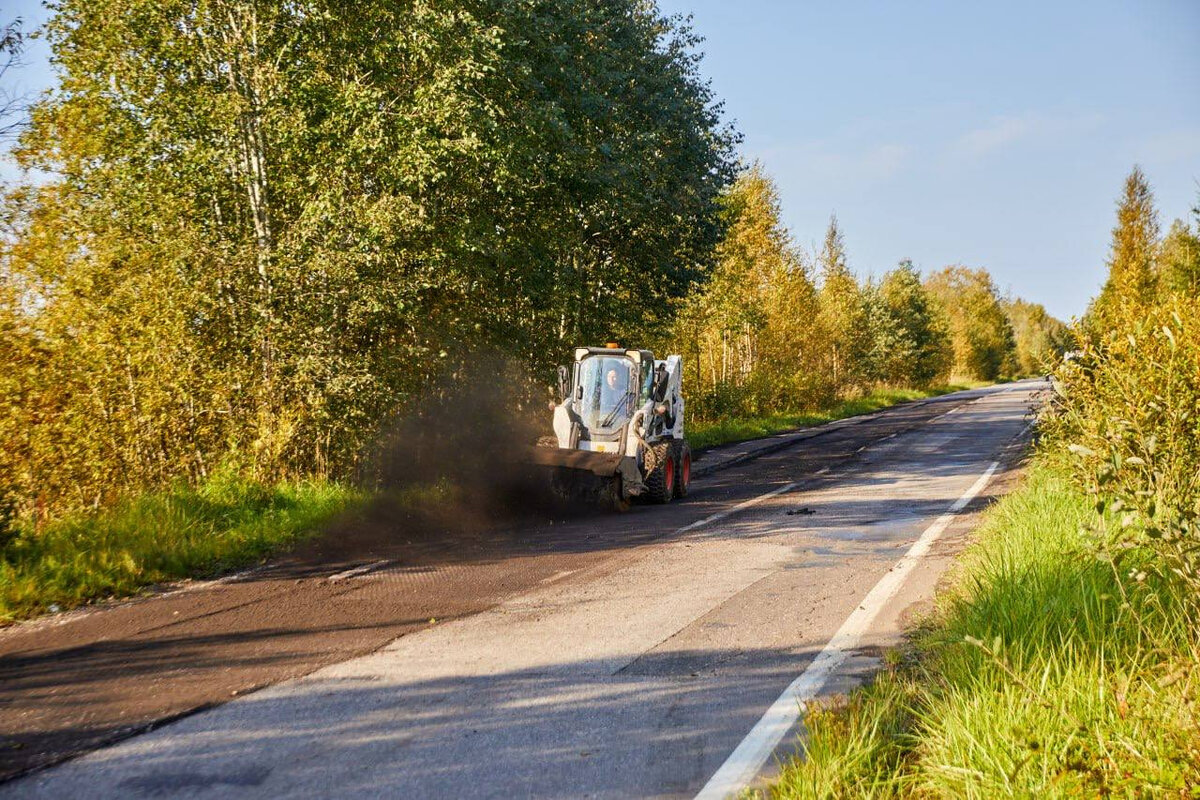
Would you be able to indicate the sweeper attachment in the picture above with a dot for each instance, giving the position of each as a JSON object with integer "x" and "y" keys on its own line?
{"x": 618, "y": 432}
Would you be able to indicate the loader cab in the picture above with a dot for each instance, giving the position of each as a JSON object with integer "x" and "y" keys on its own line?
{"x": 609, "y": 386}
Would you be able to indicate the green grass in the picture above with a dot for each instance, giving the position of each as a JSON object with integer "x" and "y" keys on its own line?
{"x": 159, "y": 536}
{"x": 710, "y": 434}
{"x": 1047, "y": 670}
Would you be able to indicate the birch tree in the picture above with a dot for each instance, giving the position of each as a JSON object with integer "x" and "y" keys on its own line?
{"x": 842, "y": 319}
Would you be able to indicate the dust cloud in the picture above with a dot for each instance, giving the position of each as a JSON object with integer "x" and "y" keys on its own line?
{"x": 465, "y": 443}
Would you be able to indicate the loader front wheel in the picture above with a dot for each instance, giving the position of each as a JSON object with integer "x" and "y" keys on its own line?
{"x": 660, "y": 483}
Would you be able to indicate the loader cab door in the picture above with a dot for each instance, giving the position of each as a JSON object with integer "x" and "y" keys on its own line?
{"x": 606, "y": 395}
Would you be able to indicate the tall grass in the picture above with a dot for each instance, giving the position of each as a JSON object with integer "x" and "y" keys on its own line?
{"x": 1047, "y": 671}
{"x": 180, "y": 532}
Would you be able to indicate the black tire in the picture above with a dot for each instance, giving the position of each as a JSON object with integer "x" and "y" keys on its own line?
{"x": 683, "y": 468}
{"x": 660, "y": 483}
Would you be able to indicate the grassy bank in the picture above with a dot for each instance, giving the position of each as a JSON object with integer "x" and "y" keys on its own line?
{"x": 1047, "y": 670}
{"x": 710, "y": 434}
{"x": 161, "y": 536}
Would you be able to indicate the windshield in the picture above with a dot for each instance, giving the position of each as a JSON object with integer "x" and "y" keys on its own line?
{"x": 607, "y": 386}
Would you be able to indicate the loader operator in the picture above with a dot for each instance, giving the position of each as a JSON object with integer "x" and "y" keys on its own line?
{"x": 614, "y": 389}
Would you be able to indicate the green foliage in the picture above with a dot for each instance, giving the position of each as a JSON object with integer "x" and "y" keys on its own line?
{"x": 270, "y": 224}
{"x": 1132, "y": 278}
{"x": 982, "y": 336}
{"x": 223, "y": 523}
{"x": 911, "y": 340}
{"x": 745, "y": 332}
{"x": 1129, "y": 408}
{"x": 1041, "y": 340}
{"x": 1179, "y": 261}
{"x": 843, "y": 314}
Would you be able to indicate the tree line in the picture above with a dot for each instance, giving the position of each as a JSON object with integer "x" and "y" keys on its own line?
{"x": 259, "y": 230}
{"x": 777, "y": 329}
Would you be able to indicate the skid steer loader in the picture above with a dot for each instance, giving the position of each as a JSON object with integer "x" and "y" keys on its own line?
{"x": 618, "y": 430}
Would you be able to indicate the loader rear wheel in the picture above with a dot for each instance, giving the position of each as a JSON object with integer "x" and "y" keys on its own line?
{"x": 683, "y": 480}
{"x": 660, "y": 483}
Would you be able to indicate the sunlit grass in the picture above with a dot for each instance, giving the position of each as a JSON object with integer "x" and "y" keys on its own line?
{"x": 1047, "y": 671}
{"x": 160, "y": 536}
{"x": 710, "y": 434}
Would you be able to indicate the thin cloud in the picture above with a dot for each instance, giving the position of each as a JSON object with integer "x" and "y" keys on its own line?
{"x": 982, "y": 141}
{"x": 1004, "y": 132}
{"x": 885, "y": 160}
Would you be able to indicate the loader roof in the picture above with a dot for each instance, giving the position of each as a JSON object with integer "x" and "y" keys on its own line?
{"x": 636, "y": 355}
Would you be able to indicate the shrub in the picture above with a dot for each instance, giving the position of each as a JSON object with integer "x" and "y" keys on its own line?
{"x": 1129, "y": 410}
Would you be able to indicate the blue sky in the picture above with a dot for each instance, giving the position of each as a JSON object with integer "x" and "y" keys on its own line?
{"x": 994, "y": 136}
{"x": 990, "y": 135}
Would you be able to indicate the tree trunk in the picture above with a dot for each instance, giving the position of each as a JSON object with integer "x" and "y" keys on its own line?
{"x": 241, "y": 62}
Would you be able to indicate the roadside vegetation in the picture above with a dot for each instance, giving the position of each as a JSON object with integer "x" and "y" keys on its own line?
{"x": 224, "y": 523}
{"x": 257, "y": 234}
{"x": 1064, "y": 661}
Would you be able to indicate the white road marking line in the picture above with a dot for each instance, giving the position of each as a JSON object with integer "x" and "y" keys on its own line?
{"x": 745, "y": 762}
{"x": 722, "y": 514}
{"x": 356, "y": 571}
{"x": 727, "y": 512}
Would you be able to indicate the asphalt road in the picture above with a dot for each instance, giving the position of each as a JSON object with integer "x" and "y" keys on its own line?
{"x": 607, "y": 656}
